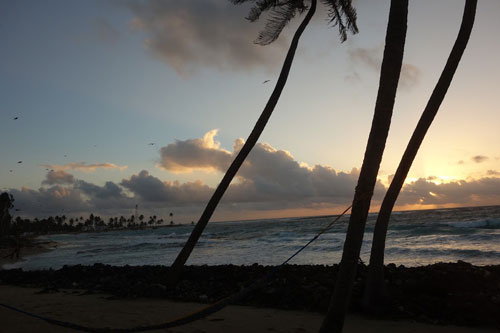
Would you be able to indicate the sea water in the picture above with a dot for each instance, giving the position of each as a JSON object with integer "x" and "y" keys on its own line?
{"x": 414, "y": 238}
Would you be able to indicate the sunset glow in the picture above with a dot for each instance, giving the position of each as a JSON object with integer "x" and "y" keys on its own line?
{"x": 111, "y": 106}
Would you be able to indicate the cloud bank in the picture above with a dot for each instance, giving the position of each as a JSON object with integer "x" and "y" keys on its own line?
{"x": 270, "y": 180}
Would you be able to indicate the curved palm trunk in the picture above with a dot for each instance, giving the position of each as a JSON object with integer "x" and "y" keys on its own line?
{"x": 389, "y": 77}
{"x": 182, "y": 257}
{"x": 375, "y": 286}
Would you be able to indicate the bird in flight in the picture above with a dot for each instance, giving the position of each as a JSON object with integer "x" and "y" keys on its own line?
{"x": 151, "y": 144}
{"x": 16, "y": 118}
{"x": 20, "y": 162}
{"x": 10, "y": 170}
{"x": 266, "y": 81}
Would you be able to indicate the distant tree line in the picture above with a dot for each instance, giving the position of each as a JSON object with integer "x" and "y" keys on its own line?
{"x": 61, "y": 223}
{"x": 57, "y": 224}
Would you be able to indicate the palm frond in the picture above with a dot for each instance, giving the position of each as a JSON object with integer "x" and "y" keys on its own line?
{"x": 278, "y": 18}
{"x": 259, "y": 7}
{"x": 281, "y": 12}
{"x": 341, "y": 13}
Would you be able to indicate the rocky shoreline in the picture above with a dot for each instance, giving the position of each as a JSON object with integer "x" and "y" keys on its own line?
{"x": 443, "y": 293}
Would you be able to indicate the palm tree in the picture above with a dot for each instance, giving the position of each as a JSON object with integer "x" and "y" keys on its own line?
{"x": 282, "y": 11}
{"x": 389, "y": 77}
{"x": 375, "y": 287}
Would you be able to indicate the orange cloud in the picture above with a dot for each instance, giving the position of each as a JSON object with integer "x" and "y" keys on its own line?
{"x": 82, "y": 166}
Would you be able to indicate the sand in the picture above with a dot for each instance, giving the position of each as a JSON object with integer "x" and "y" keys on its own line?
{"x": 98, "y": 311}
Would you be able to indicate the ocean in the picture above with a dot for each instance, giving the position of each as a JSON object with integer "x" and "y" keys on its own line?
{"x": 415, "y": 238}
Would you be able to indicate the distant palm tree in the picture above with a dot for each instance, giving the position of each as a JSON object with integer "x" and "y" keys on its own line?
{"x": 375, "y": 287}
{"x": 282, "y": 11}
{"x": 389, "y": 78}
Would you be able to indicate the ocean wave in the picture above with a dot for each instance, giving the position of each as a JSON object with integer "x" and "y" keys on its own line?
{"x": 482, "y": 224}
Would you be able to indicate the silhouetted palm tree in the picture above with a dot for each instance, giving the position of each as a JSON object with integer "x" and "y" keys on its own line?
{"x": 375, "y": 287}
{"x": 389, "y": 78}
{"x": 281, "y": 12}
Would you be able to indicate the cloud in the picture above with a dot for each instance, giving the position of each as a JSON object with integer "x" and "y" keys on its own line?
{"x": 479, "y": 158}
{"x": 195, "y": 154}
{"x": 372, "y": 58}
{"x": 109, "y": 189}
{"x": 152, "y": 189}
{"x": 82, "y": 166}
{"x": 410, "y": 76}
{"x": 58, "y": 177}
{"x": 56, "y": 199}
{"x": 270, "y": 180}
{"x": 189, "y": 35}
{"x": 267, "y": 175}
{"x": 460, "y": 162}
{"x": 474, "y": 192}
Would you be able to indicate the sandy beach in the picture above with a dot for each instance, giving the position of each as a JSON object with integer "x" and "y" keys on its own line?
{"x": 97, "y": 310}
{"x": 107, "y": 296}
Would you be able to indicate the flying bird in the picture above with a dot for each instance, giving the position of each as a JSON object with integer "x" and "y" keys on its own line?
{"x": 151, "y": 144}
{"x": 266, "y": 81}
{"x": 10, "y": 170}
{"x": 65, "y": 155}
{"x": 16, "y": 118}
{"x": 20, "y": 162}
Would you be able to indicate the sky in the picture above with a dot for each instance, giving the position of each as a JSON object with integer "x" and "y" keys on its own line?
{"x": 105, "y": 105}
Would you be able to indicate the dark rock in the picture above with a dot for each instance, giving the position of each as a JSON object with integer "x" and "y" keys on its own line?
{"x": 445, "y": 293}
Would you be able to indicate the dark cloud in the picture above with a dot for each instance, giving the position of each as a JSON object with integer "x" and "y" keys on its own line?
{"x": 58, "y": 177}
{"x": 493, "y": 173}
{"x": 192, "y": 34}
{"x": 109, "y": 190}
{"x": 152, "y": 189}
{"x": 469, "y": 193}
{"x": 56, "y": 199}
{"x": 479, "y": 158}
{"x": 372, "y": 58}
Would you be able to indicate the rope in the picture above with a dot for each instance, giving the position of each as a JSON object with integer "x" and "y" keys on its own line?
{"x": 208, "y": 310}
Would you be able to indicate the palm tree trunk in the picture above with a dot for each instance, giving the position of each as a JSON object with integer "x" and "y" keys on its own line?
{"x": 375, "y": 286}
{"x": 181, "y": 259}
{"x": 389, "y": 78}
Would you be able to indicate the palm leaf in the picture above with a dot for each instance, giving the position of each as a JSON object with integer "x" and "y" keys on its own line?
{"x": 340, "y": 10}
{"x": 341, "y": 13}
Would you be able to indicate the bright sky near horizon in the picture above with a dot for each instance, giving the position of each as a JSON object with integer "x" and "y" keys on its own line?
{"x": 143, "y": 102}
